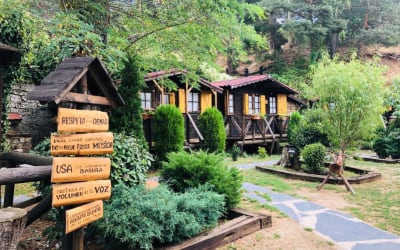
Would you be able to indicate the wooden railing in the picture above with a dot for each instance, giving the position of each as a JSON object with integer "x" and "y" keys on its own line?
{"x": 269, "y": 128}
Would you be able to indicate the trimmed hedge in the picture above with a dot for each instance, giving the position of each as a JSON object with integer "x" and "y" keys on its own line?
{"x": 314, "y": 156}
{"x": 211, "y": 125}
{"x": 169, "y": 131}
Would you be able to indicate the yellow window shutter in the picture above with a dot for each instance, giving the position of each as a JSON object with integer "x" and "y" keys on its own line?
{"x": 246, "y": 104}
{"x": 282, "y": 104}
{"x": 172, "y": 98}
{"x": 262, "y": 103}
{"x": 205, "y": 100}
{"x": 182, "y": 100}
{"x": 226, "y": 102}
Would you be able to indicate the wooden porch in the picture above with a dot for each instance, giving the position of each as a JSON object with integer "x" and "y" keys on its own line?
{"x": 268, "y": 130}
{"x": 256, "y": 130}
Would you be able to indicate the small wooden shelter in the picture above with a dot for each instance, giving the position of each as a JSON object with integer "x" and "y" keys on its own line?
{"x": 256, "y": 109}
{"x": 78, "y": 81}
{"x": 174, "y": 87}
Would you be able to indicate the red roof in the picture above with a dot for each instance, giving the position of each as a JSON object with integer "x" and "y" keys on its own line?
{"x": 173, "y": 72}
{"x": 238, "y": 82}
{"x": 247, "y": 80}
{"x": 14, "y": 116}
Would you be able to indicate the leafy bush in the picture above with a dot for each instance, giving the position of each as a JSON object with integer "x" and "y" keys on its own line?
{"x": 169, "y": 131}
{"x": 137, "y": 218}
{"x": 313, "y": 156}
{"x": 185, "y": 170}
{"x": 293, "y": 124}
{"x": 309, "y": 130}
{"x": 262, "y": 152}
{"x": 130, "y": 160}
{"x": 211, "y": 125}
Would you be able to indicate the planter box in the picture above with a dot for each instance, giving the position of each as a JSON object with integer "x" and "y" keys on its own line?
{"x": 241, "y": 223}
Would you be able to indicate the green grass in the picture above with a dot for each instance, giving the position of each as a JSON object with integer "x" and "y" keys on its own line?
{"x": 377, "y": 203}
{"x": 21, "y": 189}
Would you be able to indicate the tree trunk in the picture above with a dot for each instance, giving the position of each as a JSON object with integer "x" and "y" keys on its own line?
{"x": 12, "y": 224}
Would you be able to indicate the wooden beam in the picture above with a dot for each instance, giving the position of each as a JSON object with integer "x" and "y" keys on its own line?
{"x": 70, "y": 86}
{"x": 24, "y": 174}
{"x": 161, "y": 90}
{"x": 105, "y": 91}
{"x": 86, "y": 99}
{"x": 26, "y": 158}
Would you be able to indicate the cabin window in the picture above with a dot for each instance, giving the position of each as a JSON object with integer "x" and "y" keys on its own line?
{"x": 146, "y": 100}
{"x": 272, "y": 105}
{"x": 254, "y": 104}
{"x": 165, "y": 99}
{"x": 193, "y": 102}
{"x": 231, "y": 110}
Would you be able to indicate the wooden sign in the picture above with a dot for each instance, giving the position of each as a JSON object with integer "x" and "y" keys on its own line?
{"x": 74, "y": 120}
{"x": 68, "y": 169}
{"x": 83, "y": 215}
{"x": 82, "y": 144}
{"x": 80, "y": 192}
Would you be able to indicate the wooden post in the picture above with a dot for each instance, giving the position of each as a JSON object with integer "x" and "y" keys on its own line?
{"x": 9, "y": 195}
{"x": 12, "y": 224}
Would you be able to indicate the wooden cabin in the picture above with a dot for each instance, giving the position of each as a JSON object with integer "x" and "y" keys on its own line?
{"x": 256, "y": 109}
{"x": 174, "y": 87}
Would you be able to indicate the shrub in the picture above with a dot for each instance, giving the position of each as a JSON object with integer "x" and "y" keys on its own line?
{"x": 133, "y": 221}
{"x": 262, "y": 152}
{"x": 211, "y": 125}
{"x": 313, "y": 156}
{"x": 293, "y": 124}
{"x": 130, "y": 160}
{"x": 169, "y": 131}
{"x": 235, "y": 152}
{"x": 185, "y": 170}
{"x": 309, "y": 130}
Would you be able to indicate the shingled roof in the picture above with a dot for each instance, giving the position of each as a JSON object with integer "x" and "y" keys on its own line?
{"x": 8, "y": 55}
{"x": 248, "y": 80}
{"x": 57, "y": 85}
{"x": 177, "y": 72}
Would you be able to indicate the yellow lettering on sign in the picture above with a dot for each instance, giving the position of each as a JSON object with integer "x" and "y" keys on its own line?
{"x": 82, "y": 144}
{"x": 68, "y": 169}
{"x": 83, "y": 215}
{"x": 74, "y": 120}
{"x": 80, "y": 192}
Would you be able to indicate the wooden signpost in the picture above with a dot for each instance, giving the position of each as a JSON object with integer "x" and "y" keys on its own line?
{"x": 81, "y": 179}
{"x": 83, "y": 215}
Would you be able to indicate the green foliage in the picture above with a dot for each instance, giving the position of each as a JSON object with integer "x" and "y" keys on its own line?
{"x": 128, "y": 118}
{"x": 294, "y": 123}
{"x": 262, "y": 152}
{"x": 387, "y": 140}
{"x": 235, "y": 152}
{"x": 130, "y": 160}
{"x": 351, "y": 98}
{"x": 185, "y": 170}
{"x": 137, "y": 218}
{"x": 211, "y": 125}
{"x": 313, "y": 156}
{"x": 169, "y": 131}
{"x": 309, "y": 129}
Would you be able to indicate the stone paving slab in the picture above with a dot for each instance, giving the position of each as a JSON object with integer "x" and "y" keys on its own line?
{"x": 346, "y": 231}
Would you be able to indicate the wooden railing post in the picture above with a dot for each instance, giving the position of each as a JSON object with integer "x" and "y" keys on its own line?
{"x": 9, "y": 195}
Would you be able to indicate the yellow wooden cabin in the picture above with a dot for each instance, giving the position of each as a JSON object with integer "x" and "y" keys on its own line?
{"x": 174, "y": 87}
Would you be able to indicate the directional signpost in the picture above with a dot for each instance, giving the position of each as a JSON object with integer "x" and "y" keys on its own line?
{"x": 80, "y": 180}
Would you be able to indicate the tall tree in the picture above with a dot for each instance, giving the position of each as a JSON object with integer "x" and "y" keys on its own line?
{"x": 351, "y": 95}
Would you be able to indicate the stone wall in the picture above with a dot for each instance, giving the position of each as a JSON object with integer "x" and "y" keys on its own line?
{"x": 37, "y": 120}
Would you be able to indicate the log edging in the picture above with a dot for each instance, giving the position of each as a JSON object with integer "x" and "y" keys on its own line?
{"x": 243, "y": 223}
{"x": 364, "y": 177}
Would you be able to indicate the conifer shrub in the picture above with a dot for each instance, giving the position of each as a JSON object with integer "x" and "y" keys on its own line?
{"x": 314, "y": 156}
{"x": 169, "y": 131}
{"x": 184, "y": 170}
{"x": 138, "y": 218}
{"x": 211, "y": 125}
